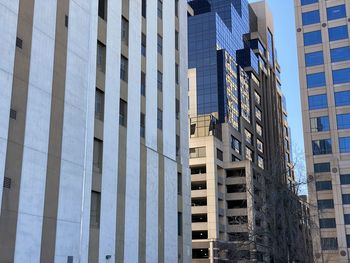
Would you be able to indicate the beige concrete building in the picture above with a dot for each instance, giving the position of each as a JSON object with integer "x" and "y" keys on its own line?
{"x": 322, "y": 29}
{"x": 94, "y": 131}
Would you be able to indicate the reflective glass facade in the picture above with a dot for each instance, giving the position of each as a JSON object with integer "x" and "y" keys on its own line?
{"x": 308, "y": 2}
{"x": 316, "y": 80}
{"x": 319, "y": 124}
{"x": 318, "y": 102}
{"x": 343, "y": 121}
{"x": 312, "y": 38}
{"x": 311, "y": 17}
{"x": 338, "y": 33}
{"x": 341, "y": 76}
{"x": 336, "y": 12}
{"x": 340, "y": 54}
{"x": 314, "y": 59}
{"x": 342, "y": 98}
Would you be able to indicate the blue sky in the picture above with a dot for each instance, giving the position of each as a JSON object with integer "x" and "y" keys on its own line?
{"x": 285, "y": 42}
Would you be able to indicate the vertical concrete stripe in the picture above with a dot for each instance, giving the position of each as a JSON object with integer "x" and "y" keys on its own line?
{"x": 152, "y": 207}
{"x": 151, "y": 75}
{"x": 36, "y": 139}
{"x": 142, "y": 207}
{"x": 111, "y": 134}
{"x": 73, "y": 215}
{"x": 161, "y": 208}
{"x": 14, "y": 152}
{"x": 55, "y": 137}
{"x": 133, "y": 136}
{"x": 184, "y": 140}
{"x": 169, "y": 120}
{"x": 8, "y": 29}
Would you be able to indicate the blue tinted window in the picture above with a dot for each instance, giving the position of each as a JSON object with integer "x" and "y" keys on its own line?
{"x": 347, "y": 219}
{"x": 322, "y": 167}
{"x": 338, "y": 33}
{"x": 345, "y": 178}
{"x": 314, "y": 58}
{"x": 318, "y": 102}
{"x": 343, "y": 121}
{"x": 308, "y": 2}
{"x": 319, "y": 124}
{"x": 327, "y": 223}
{"x": 336, "y": 12}
{"x": 344, "y": 144}
{"x": 346, "y": 199}
{"x": 324, "y": 204}
{"x": 342, "y": 98}
{"x": 322, "y": 147}
{"x": 316, "y": 80}
{"x": 341, "y": 76}
{"x": 323, "y": 185}
{"x": 340, "y": 54}
{"x": 312, "y": 38}
{"x": 311, "y": 17}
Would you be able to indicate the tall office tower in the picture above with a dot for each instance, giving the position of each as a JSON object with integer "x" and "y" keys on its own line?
{"x": 241, "y": 173}
{"x": 94, "y": 131}
{"x": 322, "y": 29}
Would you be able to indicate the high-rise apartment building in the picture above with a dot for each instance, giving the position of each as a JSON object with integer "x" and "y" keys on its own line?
{"x": 322, "y": 29}
{"x": 243, "y": 189}
{"x": 94, "y": 131}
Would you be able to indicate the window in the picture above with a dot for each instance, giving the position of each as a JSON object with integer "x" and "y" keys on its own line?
{"x": 345, "y": 179}
{"x": 143, "y": 83}
{"x": 176, "y": 40}
{"x": 342, "y": 98}
{"x": 176, "y": 73}
{"x": 311, "y": 17}
{"x": 179, "y": 183}
{"x": 323, "y": 185}
{"x": 344, "y": 144}
{"x": 200, "y": 253}
{"x": 320, "y": 124}
{"x": 336, "y": 12}
{"x": 125, "y": 30}
{"x": 160, "y": 8}
{"x": 13, "y": 114}
{"x": 259, "y": 130}
{"x": 308, "y": 2}
{"x": 338, "y": 33}
{"x": 160, "y": 44}
{"x": 348, "y": 240}
{"x": 177, "y": 145}
{"x": 341, "y": 76}
{"x": 343, "y": 121}
{"x": 99, "y": 104}
{"x": 199, "y": 234}
{"x": 160, "y": 119}
{"x": 101, "y": 56}
{"x": 260, "y": 145}
{"x": 123, "y": 109}
{"x": 325, "y": 204}
{"x": 236, "y": 188}
{"x": 318, "y": 102}
{"x": 316, "y": 80}
{"x": 248, "y": 154}
{"x": 124, "y": 68}
{"x": 347, "y": 219}
{"x": 260, "y": 162}
{"x": 237, "y": 220}
{"x": 330, "y": 243}
{"x": 346, "y": 199}
{"x": 144, "y": 8}
{"x": 160, "y": 81}
{"x": 312, "y": 38}
{"x": 257, "y": 98}
{"x": 97, "y": 155}
{"x": 142, "y": 125}
{"x": 198, "y": 152}
{"x": 232, "y": 204}
{"x": 248, "y": 136}
{"x": 314, "y": 58}
{"x": 102, "y": 9}
{"x": 95, "y": 209}
{"x": 327, "y": 223}
{"x": 322, "y": 167}
{"x": 219, "y": 155}
{"x": 322, "y": 147}
{"x": 177, "y": 108}
{"x": 258, "y": 114}
{"x": 340, "y": 54}
{"x": 179, "y": 224}
{"x": 235, "y": 145}
{"x": 176, "y": 8}
{"x": 199, "y": 218}
{"x": 143, "y": 44}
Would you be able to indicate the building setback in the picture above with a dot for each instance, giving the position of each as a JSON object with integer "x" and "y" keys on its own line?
{"x": 322, "y": 29}
{"x": 244, "y": 204}
{"x": 94, "y": 131}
